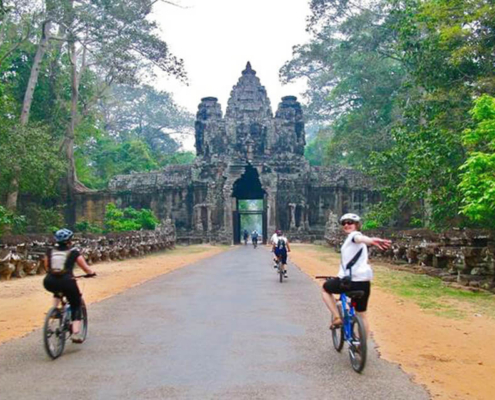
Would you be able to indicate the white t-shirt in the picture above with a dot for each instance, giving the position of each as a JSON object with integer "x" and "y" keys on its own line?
{"x": 274, "y": 239}
{"x": 361, "y": 270}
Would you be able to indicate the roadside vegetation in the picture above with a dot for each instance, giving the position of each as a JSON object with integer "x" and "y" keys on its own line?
{"x": 403, "y": 90}
{"x": 77, "y": 105}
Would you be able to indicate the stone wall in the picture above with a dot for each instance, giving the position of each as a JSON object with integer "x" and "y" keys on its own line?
{"x": 23, "y": 255}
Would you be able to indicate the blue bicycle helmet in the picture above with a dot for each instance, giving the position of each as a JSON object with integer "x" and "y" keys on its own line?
{"x": 63, "y": 235}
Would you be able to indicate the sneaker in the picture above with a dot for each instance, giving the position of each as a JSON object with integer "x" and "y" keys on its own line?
{"x": 77, "y": 338}
{"x": 275, "y": 266}
{"x": 285, "y": 275}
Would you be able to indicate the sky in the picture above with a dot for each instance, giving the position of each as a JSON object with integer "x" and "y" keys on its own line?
{"x": 216, "y": 38}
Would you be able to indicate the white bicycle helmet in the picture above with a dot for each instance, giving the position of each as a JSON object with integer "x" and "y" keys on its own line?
{"x": 350, "y": 217}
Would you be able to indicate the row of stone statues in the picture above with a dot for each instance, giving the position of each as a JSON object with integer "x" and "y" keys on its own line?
{"x": 23, "y": 255}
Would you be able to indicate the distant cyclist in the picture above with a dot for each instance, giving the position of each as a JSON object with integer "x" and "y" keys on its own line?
{"x": 273, "y": 242}
{"x": 60, "y": 262}
{"x": 254, "y": 238}
{"x": 245, "y": 236}
{"x": 282, "y": 248}
{"x": 355, "y": 272}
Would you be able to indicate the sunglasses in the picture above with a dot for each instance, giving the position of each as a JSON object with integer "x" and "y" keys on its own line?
{"x": 347, "y": 223}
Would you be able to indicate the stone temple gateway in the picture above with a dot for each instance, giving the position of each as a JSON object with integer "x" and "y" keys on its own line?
{"x": 248, "y": 153}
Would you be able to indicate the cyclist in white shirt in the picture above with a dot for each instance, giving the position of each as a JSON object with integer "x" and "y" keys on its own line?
{"x": 358, "y": 276}
{"x": 273, "y": 242}
{"x": 281, "y": 249}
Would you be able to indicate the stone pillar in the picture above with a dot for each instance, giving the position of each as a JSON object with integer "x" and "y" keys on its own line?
{"x": 292, "y": 223}
{"x": 198, "y": 225}
{"x": 229, "y": 207}
{"x": 209, "y": 223}
{"x": 272, "y": 212}
{"x": 306, "y": 217}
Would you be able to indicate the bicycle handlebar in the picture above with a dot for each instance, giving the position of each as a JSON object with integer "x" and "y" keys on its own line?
{"x": 323, "y": 277}
{"x": 93, "y": 275}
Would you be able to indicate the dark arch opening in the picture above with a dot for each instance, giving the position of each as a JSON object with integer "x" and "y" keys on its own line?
{"x": 248, "y": 187}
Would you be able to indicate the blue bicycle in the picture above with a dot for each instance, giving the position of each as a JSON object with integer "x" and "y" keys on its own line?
{"x": 352, "y": 330}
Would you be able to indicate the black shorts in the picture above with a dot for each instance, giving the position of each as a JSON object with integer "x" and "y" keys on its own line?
{"x": 333, "y": 286}
{"x": 283, "y": 256}
{"x": 67, "y": 285}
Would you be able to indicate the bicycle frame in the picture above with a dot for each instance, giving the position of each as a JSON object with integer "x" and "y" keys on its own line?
{"x": 347, "y": 314}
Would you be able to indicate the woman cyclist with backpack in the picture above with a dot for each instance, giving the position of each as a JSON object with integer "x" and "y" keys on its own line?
{"x": 59, "y": 263}
{"x": 355, "y": 273}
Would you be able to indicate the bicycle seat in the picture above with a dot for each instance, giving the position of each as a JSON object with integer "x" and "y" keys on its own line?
{"x": 355, "y": 294}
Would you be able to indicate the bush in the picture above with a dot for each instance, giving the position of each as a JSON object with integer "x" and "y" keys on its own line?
{"x": 11, "y": 222}
{"x": 44, "y": 219}
{"x": 128, "y": 219}
{"x": 85, "y": 226}
{"x": 370, "y": 224}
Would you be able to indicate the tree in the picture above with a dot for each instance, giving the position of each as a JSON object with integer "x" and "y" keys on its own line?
{"x": 395, "y": 80}
{"x": 354, "y": 76}
{"x": 144, "y": 113}
{"x": 121, "y": 40}
{"x": 31, "y": 156}
{"x": 478, "y": 172}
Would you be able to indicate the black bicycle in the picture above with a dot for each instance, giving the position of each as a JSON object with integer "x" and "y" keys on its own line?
{"x": 58, "y": 324}
{"x": 280, "y": 269}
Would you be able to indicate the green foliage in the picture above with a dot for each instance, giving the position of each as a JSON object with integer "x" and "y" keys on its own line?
{"x": 42, "y": 219}
{"x": 478, "y": 172}
{"x": 34, "y": 153}
{"x": 370, "y": 224}
{"x": 85, "y": 226}
{"x": 128, "y": 219}
{"x": 11, "y": 222}
{"x": 394, "y": 82}
{"x": 120, "y": 124}
{"x": 178, "y": 158}
{"x": 316, "y": 150}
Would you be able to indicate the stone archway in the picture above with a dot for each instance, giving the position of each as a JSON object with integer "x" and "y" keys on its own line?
{"x": 248, "y": 187}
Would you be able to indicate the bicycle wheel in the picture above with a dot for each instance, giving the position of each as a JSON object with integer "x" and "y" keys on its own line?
{"x": 358, "y": 347}
{"x": 84, "y": 320}
{"x": 54, "y": 333}
{"x": 280, "y": 271}
{"x": 338, "y": 335}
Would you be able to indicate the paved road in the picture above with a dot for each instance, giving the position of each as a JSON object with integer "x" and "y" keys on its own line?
{"x": 223, "y": 328}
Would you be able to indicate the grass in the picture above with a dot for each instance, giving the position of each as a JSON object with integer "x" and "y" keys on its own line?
{"x": 433, "y": 295}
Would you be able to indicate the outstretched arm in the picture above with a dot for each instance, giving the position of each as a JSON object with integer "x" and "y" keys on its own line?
{"x": 382, "y": 244}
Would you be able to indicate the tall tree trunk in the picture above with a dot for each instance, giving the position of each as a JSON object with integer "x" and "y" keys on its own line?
{"x": 35, "y": 70}
{"x": 70, "y": 135}
{"x": 73, "y": 184}
{"x": 13, "y": 194}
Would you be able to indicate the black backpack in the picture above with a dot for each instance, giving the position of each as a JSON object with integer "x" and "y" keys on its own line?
{"x": 281, "y": 244}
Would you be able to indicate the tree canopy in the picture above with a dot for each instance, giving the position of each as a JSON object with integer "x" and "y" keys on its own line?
{"x": 394, "y": 82}
{"x": 75, "y": 106}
